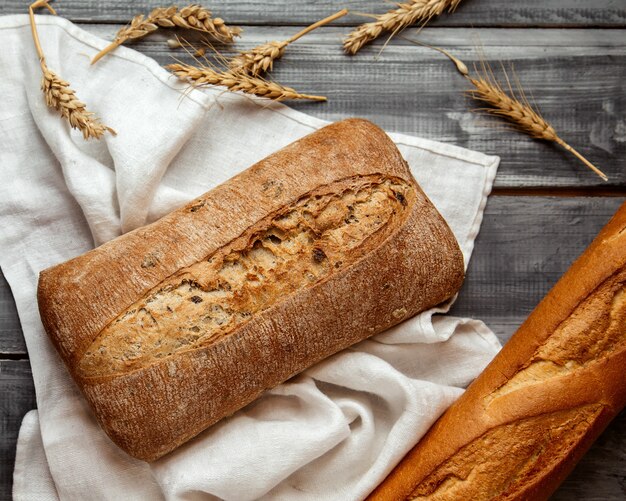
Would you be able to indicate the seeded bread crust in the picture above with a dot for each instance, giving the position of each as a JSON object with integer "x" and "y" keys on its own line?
{"x": 363, "y": 280}
{"x": 522, "y": 426}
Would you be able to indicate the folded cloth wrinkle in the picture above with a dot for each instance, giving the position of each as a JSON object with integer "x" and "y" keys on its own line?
{"x": 334, "y": 431}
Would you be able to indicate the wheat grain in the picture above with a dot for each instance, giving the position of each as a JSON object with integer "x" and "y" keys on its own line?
{"x": 396, "y": 20}
{"x": 514, "y": 108}
{"x": 61, "y": 97}
{"x": 204, "y": 75}
{"x": 174, "y": 43}
{"x": 191, "y": 17}
{"x": 261, "y": 59}
{"x": 258, "y": 60}
{"x": 521, "y": 115}
{"x": 198, "y": 18}
{"x": 57, "y": 92}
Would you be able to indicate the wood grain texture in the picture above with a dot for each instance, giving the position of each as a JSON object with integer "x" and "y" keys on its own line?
{"x": 475, "y": 13}
{"x": 17, "y": 397}
{"x": 524, "y": 246}
{"x": 11, "y": 338}
{"x": 417, "y": 91}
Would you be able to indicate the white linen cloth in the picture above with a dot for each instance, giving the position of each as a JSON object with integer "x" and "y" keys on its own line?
{"x": 334, "y": 431}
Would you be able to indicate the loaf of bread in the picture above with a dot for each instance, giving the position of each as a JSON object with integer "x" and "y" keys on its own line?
{"x": 176, "y": 325}
{"x": 531, "y": 415}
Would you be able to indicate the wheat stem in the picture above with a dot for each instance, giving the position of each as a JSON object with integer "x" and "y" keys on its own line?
{"x": 581, "y": 158}
{"x": 33, "y": 27}
{"x": 316, "y": 25}
{"x": 109, "y": 48}
{"x": 57, "y": 92}
{"x": 460, "y": 65}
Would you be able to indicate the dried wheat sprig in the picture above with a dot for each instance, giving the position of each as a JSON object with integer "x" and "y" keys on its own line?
{"x": 192, "y": 17}
{"x": 516, "y": 110}
{"x": 396, "y": 20}
{"x": 204, "y": 75}
{"x": 60, "y": 96}
{"x": 58, "y": 93}
{"x": 261, "y": 59}
{"x": 198, "y": 18}
{"x": 522, "y": 115}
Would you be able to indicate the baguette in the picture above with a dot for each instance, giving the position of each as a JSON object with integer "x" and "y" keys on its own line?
{"x": 176, "y": 325}
{"x": 522, "y": 426}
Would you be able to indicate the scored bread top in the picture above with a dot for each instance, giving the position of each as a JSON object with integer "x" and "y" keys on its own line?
{"x": 297, "y": 247}
{"x": 79, "y": 298}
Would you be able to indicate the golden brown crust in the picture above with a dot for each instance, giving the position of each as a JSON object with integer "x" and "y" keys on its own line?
{"x": 297, "y": 247}
{"x": 569, "y": 354}
{"x": 152, "y": 408}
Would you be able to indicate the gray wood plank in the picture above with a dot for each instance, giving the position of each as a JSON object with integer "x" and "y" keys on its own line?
{"x": 11, "y": 338}
{"x": 475, "y": 13}
{"x": 17, "y": 397}
{"x": 415, "y": 90}
{"x": 524, "y": 246}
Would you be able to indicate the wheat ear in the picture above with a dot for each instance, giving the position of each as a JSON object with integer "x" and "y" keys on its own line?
{"x": 261, "y": 59}
{"x": 516, "y": 110}
{"x": 396, "y": 20}
{"x": 198, "y": 18}
{"x": 204, "y": 75}
{"x": 58, "y": 93}
{"x": 191, "y": 17}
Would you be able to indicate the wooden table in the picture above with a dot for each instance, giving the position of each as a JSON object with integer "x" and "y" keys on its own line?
{"x": 545, "y": 207}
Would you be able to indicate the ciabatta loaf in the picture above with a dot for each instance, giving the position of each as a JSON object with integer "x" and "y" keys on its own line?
{"x": 531, "y": 415}
{"x": 173, "y": 326}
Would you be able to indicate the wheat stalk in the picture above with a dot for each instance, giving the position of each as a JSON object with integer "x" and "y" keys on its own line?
{"x": 261, "y": 59}
{"x": 58, "y": 93}
{"x": 396, "y": 20}
{"x": 191, "y": 17}
{"x": 204, "y": 75}
{"x": 198, "y": 18}
{"x": 61, "y": 97}
{"x": 516, "y": 110}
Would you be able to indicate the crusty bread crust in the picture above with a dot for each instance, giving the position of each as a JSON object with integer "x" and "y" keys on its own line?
{"x": 150, "y": 410}
{"x": 521, "y": 427}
